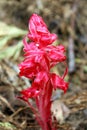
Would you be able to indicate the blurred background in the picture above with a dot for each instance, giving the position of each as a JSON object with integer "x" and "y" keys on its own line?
{"x": 66, "y": 18}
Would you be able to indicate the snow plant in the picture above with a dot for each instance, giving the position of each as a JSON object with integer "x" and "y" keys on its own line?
{"x": 40, "y": 56}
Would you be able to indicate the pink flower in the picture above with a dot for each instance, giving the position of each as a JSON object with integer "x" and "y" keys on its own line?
{"x": 35, "y": 61}
{"x": 39, "y": 33}
{"x": 29, "y": 93}
{"x": 55, "y": 54}
{"x": 58, "y": 82}
{"x": 40, "y": 56}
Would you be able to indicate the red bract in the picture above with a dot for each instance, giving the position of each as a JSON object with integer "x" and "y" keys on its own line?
{"x": 40, "y": 57}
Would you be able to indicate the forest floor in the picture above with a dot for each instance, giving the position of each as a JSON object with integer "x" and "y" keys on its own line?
{"x": 66, "y": 18}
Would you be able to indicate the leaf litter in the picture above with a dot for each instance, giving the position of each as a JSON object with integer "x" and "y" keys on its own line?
{"x": 64, "y": 19}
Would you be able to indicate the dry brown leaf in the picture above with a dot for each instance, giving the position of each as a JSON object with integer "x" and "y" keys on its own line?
{"x": 60, "y": 111}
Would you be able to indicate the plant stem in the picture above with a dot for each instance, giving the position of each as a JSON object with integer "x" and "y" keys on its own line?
{"x": 43, "y": 103}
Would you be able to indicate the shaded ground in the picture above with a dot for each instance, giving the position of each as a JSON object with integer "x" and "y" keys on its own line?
{"x": 68, "y": 19}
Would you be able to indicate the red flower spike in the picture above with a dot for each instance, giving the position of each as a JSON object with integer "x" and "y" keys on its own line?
{"x": 40, "y": 56}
